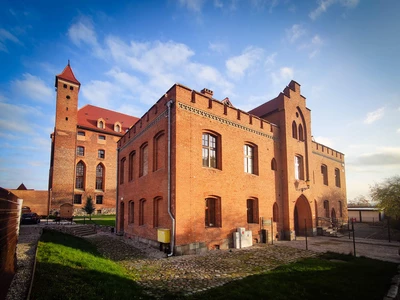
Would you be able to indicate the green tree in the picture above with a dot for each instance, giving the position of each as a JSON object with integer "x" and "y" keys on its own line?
{"x": 89, "y": 207}
{"x": 387, "y": 196}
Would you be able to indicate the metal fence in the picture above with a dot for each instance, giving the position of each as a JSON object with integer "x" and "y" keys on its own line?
{"x": 10, "y": 214}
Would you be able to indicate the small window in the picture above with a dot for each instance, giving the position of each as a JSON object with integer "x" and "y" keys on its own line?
{"x": 252, "y": 211}
{"x": 273, "y": 164}
{"x": 77, "y": 199}
{"x": 142, "y": 205}
{"x": 102, "y": 137}
{"x": 101, "y": 153}
{"x": 80, "y": 151}
{"x": 65, "y": 86}
{"x": 71, "y": 88}
{"x": 213, "y": 212}
{"x": 81, "y": 133}
{"x": 101, "y": 124}
{"x": 294, "y": 130}
{"x": 117, "y": 128}
{"x": 68, "y": 97}
{"x": 99, "y": 199}
{"x": 66, "y": 118}
{"x": 340, "y": 209}
{"x": 326, "y": 208}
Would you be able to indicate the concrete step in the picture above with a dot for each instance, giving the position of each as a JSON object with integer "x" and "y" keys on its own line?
{"x": 83, "y": 230}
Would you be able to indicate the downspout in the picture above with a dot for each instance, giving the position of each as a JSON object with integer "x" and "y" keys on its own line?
{"x": 116, "y": 203}
{"x": 169, "y": 104}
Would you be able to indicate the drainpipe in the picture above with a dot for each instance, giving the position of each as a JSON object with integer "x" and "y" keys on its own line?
{"x": 169, "y": 104}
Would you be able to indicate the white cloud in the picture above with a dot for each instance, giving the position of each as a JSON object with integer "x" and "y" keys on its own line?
{"x": 192, "y": 5}
{"x": 82, "y": 33}
{"x": 238, "y": 65}
{"x": 7, "y": 36}
{"x": 271, "y": 59}
{"x": 218, "y": 3}
{"x": 383, "y": 156}
{"x": 295, "y": 32}
{"x": 398, "y": 130}
{"x": 374, "y": 115}
{"x": 217, "y": 47}
{"x": 283, "y": 76}
{"x": 33, "y": 87}
{"x": 100, "y": 93}
{"x": 323, "y": 6}
{"x": 316, "y": 40}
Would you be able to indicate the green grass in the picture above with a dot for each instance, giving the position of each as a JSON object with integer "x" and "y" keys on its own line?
{"x": 106, "y": 220}
{"x": 71, "y": 268}
{"x": 313, "y": 278}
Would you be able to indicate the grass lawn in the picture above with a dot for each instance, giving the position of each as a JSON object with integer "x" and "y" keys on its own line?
{"x": 330, "y": 276}
{"x": 69, "y": 267}
{"x": 106, "y": 220}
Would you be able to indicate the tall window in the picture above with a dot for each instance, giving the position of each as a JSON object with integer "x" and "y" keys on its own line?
{"x": 326, "y": 208}
{"x": 252, "y": 211}
{"x": 99, "y": 177}
{"x": 131, "y": 165}
{"x": 209, "y": 144}
{"x": 144, "y": 159}
{"x": 298, "y": 167}
{"x": 275, "y": 212}
{"x": 131, "y": 212}
{"x": 80, "y": 176}
{"x": 77, "y": 199}
{"x": 301, "y": 133}
{"x": 340, "y": 209}
{"x": 99, "y": 199}
{"x": 157, "y": 207}
{"x": 324, "y": 172}
{"x": 337, "y": 177}
{"x": 101, "y": 153}
{"x": 122, "y": 171}
{"x": 80, "y": 151}
{"x": 249, "y": 159}
{"x": 159, "y": 151}
{"x": 213, "y": 212}
{"x": 142, "y": 204}
{"x": 294, "y": 130}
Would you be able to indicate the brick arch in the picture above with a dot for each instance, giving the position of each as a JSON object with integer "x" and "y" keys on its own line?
{"x": 302, "y": 216}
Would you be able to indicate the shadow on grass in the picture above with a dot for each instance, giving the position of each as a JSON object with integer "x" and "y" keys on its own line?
{"x": 54, "y": 281}
{"x": 67, "y": 240}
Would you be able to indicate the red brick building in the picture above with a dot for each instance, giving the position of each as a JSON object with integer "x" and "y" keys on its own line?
{"x": 83, "y": 151}
{"x": 202, "y": 168}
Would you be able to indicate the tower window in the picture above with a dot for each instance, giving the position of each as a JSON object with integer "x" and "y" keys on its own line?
{"x": 65, "y": 86}
{"x": 68, "y": 97}
{"x": 66, "y": 118}
{"x": 71, "y": 88}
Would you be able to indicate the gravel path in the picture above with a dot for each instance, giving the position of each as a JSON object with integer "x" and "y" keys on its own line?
{"x": 192, "y": 273}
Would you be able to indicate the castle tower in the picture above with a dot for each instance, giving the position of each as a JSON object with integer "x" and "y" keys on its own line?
{"x": 63, "y": 150}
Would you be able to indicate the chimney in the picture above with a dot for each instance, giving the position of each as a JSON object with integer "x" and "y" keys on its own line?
{"x": 207, "y": 92}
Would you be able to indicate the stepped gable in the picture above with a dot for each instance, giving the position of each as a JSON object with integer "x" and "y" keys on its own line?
{"x": 89, "y": 114}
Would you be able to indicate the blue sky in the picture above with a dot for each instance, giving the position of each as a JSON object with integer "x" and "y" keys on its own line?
{"x": 344, "y": 53}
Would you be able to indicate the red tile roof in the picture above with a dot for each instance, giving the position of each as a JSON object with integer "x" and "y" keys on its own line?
{"x": 68, "y": 75}
{"x": 89, "y": 114}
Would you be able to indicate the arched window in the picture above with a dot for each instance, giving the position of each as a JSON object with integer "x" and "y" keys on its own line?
{"x": 131, "y": 212}
{"x": 210, "y": 146}
{"x": 159, "y": 151}
{"x": 301, "y": 133}
{"x": 157, "y": 208}
{"x": 117, "y": 128}
{"x": 326, "y": 208}
{"x": 294, "y": 130}
{"x": 144, "y": 159}
{"x": 252, "y": 210}
{"x": 100, "y": 177}
{"x": 80, "y": 176}
{"x": 131, "y": 165}
{"x": 142, "y": 205}
{"x": 324, "y": 172}
{"x": 273, "y": 164}
{"x": 337, "y": 177}
{"x": 213, "y": 212}
{"x": 122, "y": 171}
{"x": 100, "y": 124}
{"x": 275, "y": 212}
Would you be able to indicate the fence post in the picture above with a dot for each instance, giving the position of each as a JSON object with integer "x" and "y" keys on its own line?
{"x": 354, "y": 239}
{"x": 305, "y": 227}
